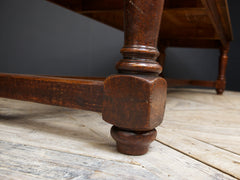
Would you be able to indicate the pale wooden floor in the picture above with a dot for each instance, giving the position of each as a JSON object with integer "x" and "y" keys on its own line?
{"x": 199, "y": 139}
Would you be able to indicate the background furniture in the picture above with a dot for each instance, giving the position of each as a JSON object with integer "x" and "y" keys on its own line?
{"x": 133, "y": 100}
{"x": 185, "y": 23}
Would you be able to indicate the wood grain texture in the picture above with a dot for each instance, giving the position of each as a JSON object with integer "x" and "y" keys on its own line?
{"x": 66, "y": 141}
{"x": 135, "y": 106}
{"x": 68, "y": 92}
{"x": 223, "y": 9}
{"x": 218, "y": 117}
{"x": 204, "y": 126}
{"x": 195, "y": 19}
{"x": 50, "y": 164}
{"x": 223, "y": 160}
{"x": 134, "y": 102}
{"x": 215, "y": 19}
{"x": 135, "y": 99}
{"x": 199, "y": 24}
{"x": 142, "y": 21}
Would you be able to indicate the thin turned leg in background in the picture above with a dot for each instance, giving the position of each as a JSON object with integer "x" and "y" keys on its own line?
{"x": 221, "y": 81}
{"x": 135, "y": 98}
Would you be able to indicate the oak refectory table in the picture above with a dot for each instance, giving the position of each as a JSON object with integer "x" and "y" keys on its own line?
{"x": 134, "y": 99}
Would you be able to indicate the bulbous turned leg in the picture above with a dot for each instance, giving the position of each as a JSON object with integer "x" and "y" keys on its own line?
{"x": 133, "y": 142}
{"x": 134, "y": 99}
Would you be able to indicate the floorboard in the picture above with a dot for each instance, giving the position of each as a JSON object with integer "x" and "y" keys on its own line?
{"x": 199, "y": 139}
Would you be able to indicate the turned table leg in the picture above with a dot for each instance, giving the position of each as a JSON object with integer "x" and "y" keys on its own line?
{"x": 221, "y": 81}
{"x": 135, "y": 98}
{"x": 162, "y": 57}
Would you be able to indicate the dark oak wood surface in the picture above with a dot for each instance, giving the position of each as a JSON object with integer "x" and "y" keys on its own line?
{"x": 185, "y": 23}
{"x": 204, "y": 20}
{"x": 133, "y": 100}
{"x": 68, "y": 92}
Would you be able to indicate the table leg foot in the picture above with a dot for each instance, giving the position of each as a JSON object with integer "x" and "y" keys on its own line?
{"x": 133, "y": 142}
{"x": 219, "y": 91}
{"x": 134, "y": 99}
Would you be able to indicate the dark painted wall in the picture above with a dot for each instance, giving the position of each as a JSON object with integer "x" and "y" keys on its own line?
{"x": 37, "y": 37}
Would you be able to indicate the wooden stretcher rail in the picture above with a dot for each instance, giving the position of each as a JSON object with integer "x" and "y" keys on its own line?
{"x": 180, "y": 82}
{"x": 170, "y": 82}
{"x": 83, "y": 78}
{"x": 69, "y": 92}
